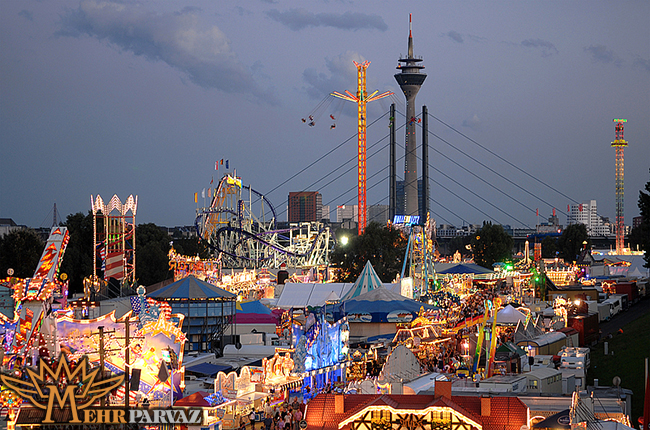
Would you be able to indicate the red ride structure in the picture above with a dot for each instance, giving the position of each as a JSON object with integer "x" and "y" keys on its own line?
{"x": 619, "y": 143}
{"x": 361, "y": 99}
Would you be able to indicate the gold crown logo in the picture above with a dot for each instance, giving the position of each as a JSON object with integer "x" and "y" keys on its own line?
{"x": 47, "y": 387}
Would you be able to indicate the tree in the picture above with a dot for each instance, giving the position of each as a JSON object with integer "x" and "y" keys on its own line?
{"x": 491, "y": 244}
{"x": 549, "y": 247}
{"x": 151, "y": 254}
{"x": 20, "y": 250}
{"x": 459, "y": 243}
{"x": 384, "y": 247}
{"x": 572, "y": 241}
{"x": 640, "y": 236}
{"x": 77, "y": 260}
{"x": 192, "y": 246}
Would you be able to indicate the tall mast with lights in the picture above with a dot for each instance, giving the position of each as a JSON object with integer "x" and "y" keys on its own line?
{"x": 619, "y": 143}
{"x": 361, "y": 99}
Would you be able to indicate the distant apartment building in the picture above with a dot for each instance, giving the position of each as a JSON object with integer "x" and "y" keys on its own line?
{"x": 325, "y": 213}
{"x": 552, "y": 226}
{"x": 7, "y": 225}
{"x": 587, "y": 214}
{"x": 347, "y": 212}
{"x": 447, "y": 230}
{"x": 378, "y": 213}
{"x": 636, "y": 221}
{"x": 305, "y": 206}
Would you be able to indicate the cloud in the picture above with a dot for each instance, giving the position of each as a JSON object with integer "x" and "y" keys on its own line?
{"x": 455, "y": 36}
{"x": 474, "y": 123}
{"x": 29, "y": 16}
{"x": 180, "y": 39}
{"x": 600, "y": 54}
{"x": 297, "y": 19}
{"x": 341, "y": 76}
{"x": 642, "y": 64}
{"x": 545, "y": 46}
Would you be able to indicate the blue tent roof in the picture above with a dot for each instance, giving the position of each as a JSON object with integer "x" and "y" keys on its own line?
{"x": 383, "y": 305}
{"x": 209, "y": 369}
{"x": 191, "y": 288}
{"x": 463, "y": 268}
{"x": 254, "y": 307}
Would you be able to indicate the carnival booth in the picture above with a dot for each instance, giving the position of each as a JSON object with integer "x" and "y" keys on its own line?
{"x": 149, "y": 341}
{"x": 320, "y": 353}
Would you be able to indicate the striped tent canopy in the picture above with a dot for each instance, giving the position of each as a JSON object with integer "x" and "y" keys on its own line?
{"x": 367, "y": 281}
{"x": 191, "y": 287}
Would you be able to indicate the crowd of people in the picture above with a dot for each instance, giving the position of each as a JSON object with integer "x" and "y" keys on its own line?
{"x": 285, "y": 416}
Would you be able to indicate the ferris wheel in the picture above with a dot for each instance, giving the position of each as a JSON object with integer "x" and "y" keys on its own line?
{"x": 240, "y": 226}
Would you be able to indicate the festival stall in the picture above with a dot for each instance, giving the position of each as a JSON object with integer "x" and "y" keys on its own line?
{"x": 149, "y": 341}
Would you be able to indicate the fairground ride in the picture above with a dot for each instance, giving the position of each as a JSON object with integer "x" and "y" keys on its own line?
{"x": 240, "y": 225}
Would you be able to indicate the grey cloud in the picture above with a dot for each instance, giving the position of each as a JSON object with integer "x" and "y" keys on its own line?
{"x": 181, "y": 40}
{"x": 600, "y": 54}
{"x": 341, "y": 75}
{"x": 474, "y": 123}
{"x": 189, "y": 10}
{"x": 642, "y": 64}
{"x": 297, "y": 19}
{"x": 455, "y": 36}
{"x": 546, "y": 47}
{"x": 29, "y": 16}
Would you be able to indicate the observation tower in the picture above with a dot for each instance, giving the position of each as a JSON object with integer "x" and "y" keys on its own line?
{"x": 410, "y": 80}
{"x": 619, "y": 143}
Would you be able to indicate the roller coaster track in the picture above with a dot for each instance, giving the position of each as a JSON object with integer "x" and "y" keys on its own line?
{"x": 244, "y": 235}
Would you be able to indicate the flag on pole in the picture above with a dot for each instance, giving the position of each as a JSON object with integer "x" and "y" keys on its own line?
{"x": 222, "y": 161}
{"x": 227, "y": 164}
{"x": 553, "y": 211}
{"x": 211, "y": 180}
{"x": 196, "y": 197}
{"x": 203, "y": 193}
{"x": 216, "y": 165}
{"x": 568, "y": 209}
{"x": 537, "y": 212}
{"x": 580, "y": 207}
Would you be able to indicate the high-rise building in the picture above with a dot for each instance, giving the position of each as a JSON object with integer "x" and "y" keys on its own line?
{"x": 410, "y": 80}
{"x": 347, "y": 212}
{"x": 305, "y": 206}
{"x": 378, "y": 213}
{"x": 587, "y": 214}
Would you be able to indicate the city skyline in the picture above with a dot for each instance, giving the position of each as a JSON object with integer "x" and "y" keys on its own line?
{"x": 89, "y": 108}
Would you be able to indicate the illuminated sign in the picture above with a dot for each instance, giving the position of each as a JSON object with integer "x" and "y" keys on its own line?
{"x": 407, "y": 219}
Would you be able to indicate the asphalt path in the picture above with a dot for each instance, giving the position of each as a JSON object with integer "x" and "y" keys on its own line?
{"x": 635, "y": 311}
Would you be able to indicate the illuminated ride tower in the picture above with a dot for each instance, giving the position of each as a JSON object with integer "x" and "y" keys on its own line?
{"x": 619, "y": 143}
{"x": 410, "y": 80}
{"x": 361, "y": 99}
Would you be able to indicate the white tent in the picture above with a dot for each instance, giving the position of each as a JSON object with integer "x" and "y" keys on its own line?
{"x": 303, "y": 295}
{"x": 368, "y": 280}
{"x": 509, "y": 316}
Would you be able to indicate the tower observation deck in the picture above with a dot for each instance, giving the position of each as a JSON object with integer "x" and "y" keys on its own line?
{"x": 410, "y": 80}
